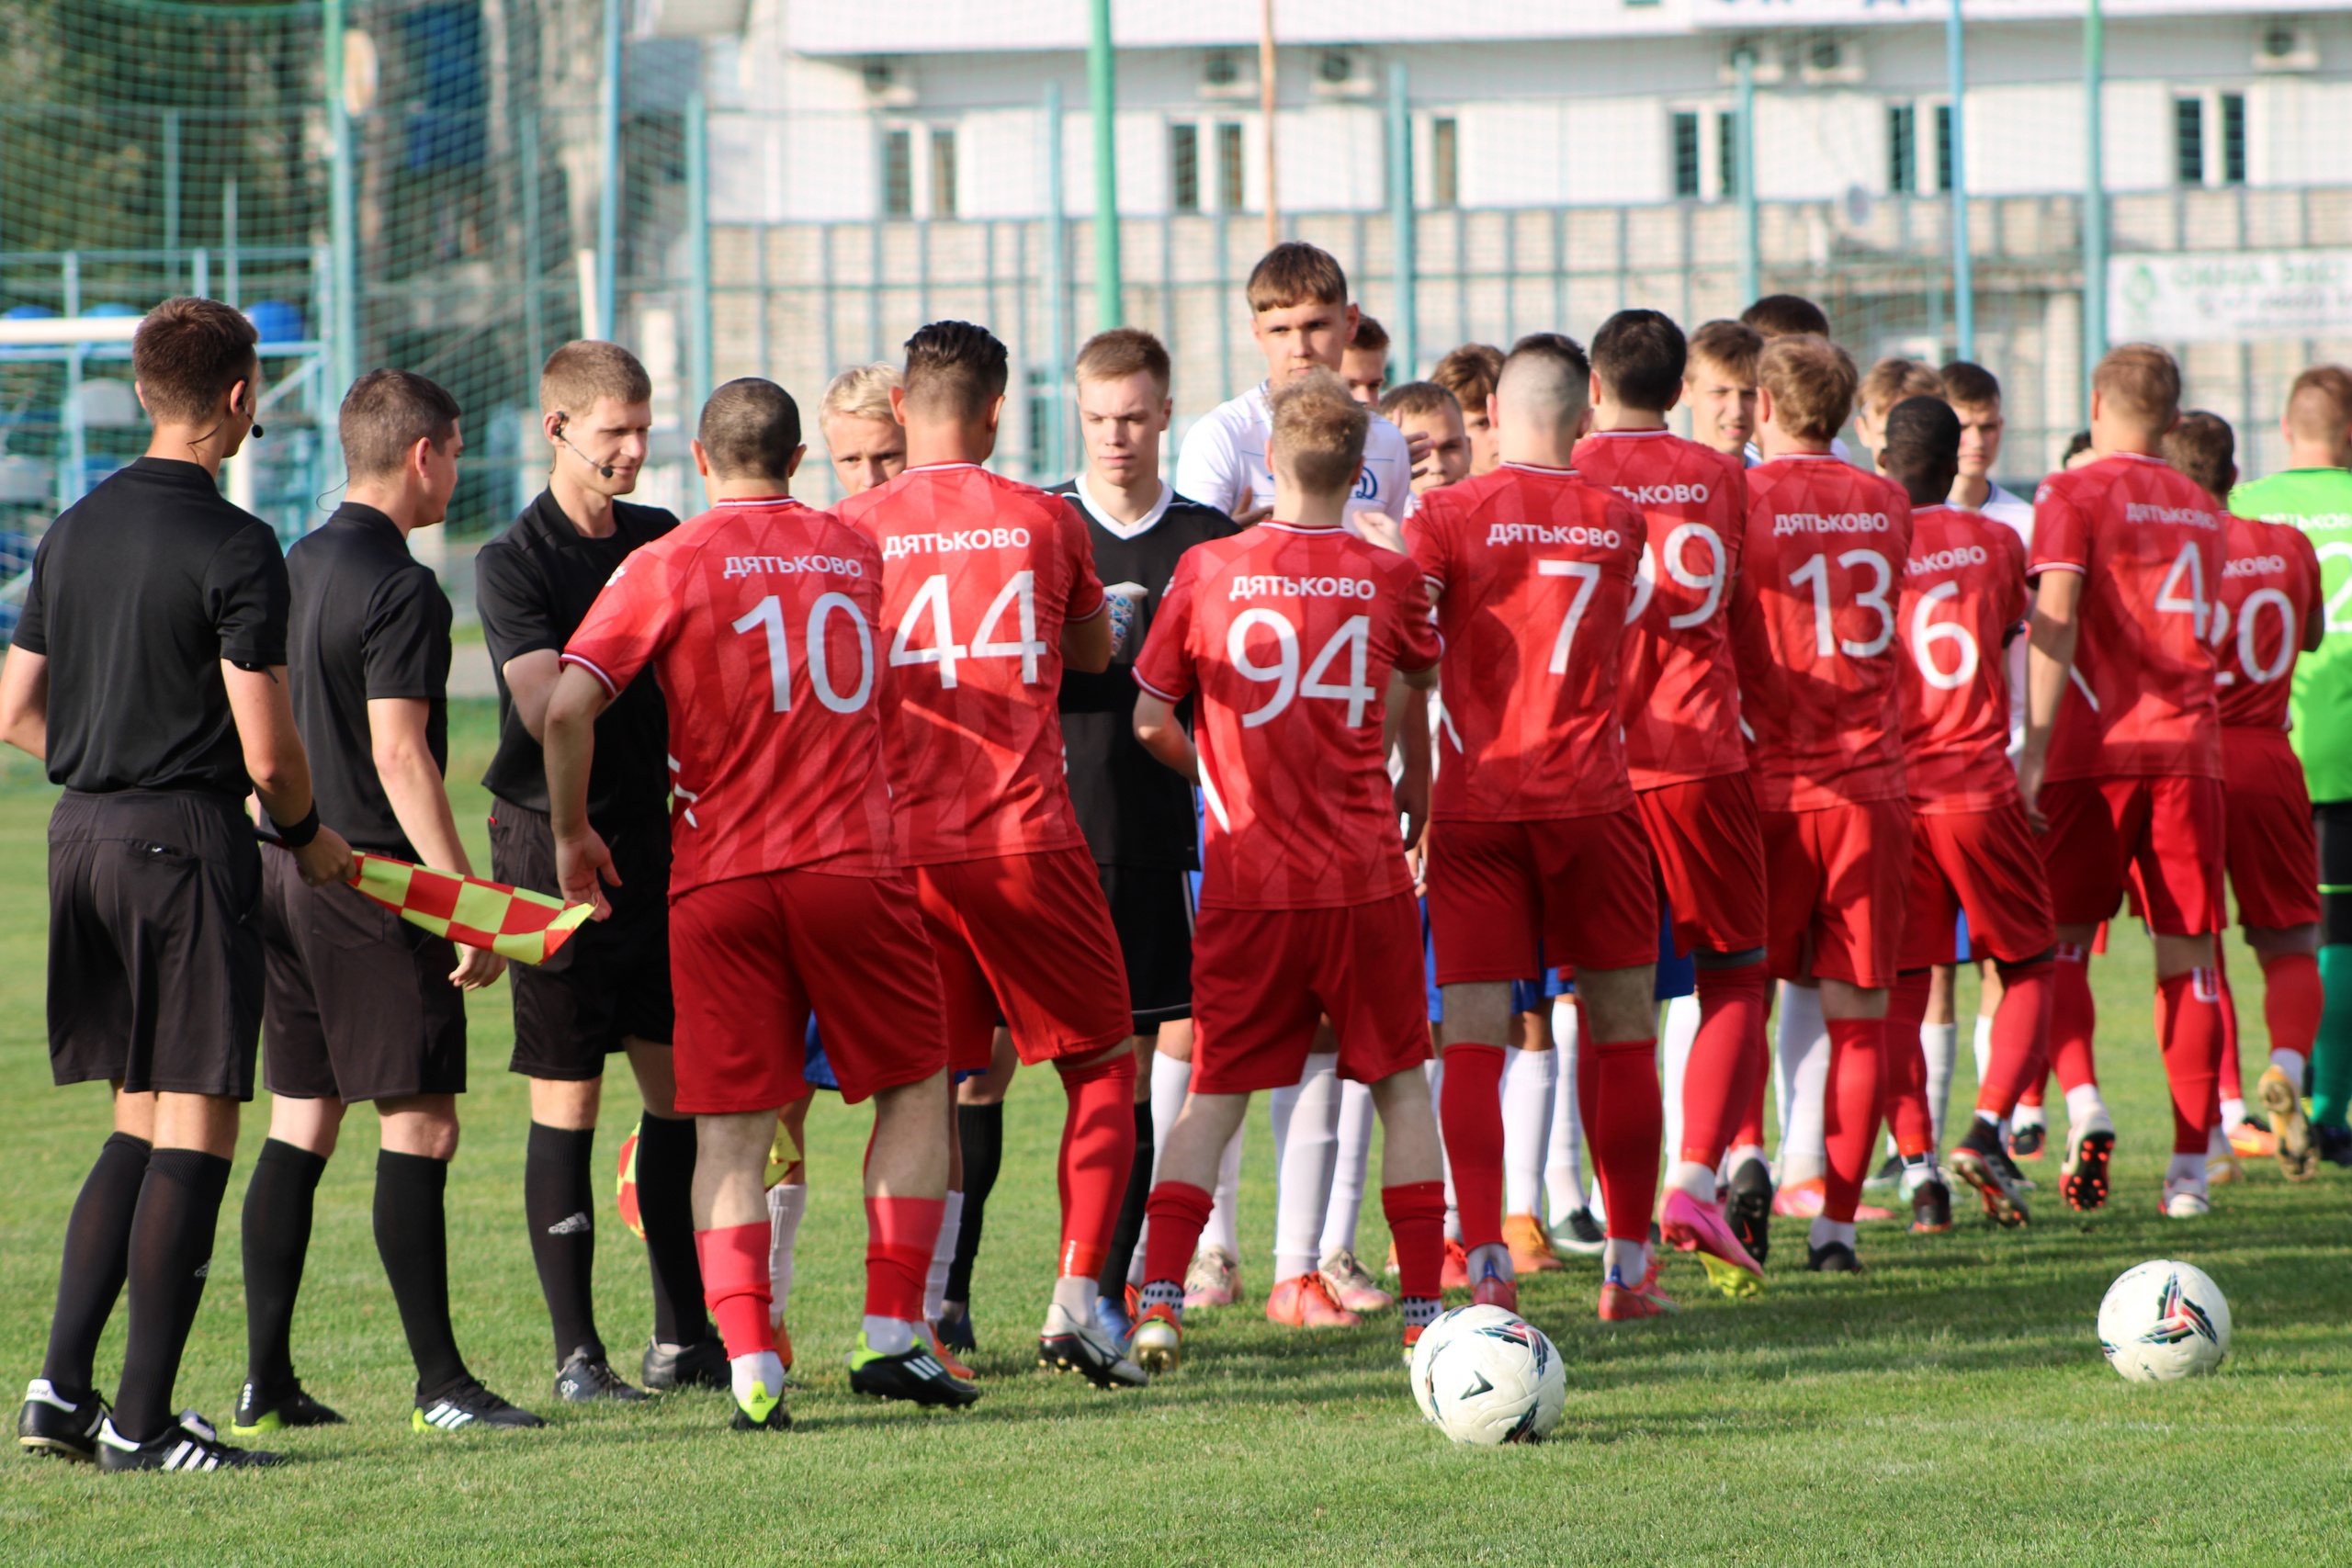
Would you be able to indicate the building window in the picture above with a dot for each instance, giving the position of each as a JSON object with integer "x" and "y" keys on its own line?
{"x": 1184, "y": 166}
{"x": 1902, "y": 148}
{"x": 2234, "y": 139}
{"x": 897, "y": 174}
{"x": 1232, "y": 167}
{"x": 1727, "y": 152}
{"x": 1445, "y": 162}
{"x": 2188, "y": 140}
{"x": 1944, "y": 180}
{"x": 1684, "y": 131}
{"x": 942, "y": 172}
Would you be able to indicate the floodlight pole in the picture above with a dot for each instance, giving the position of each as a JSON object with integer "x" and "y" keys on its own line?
{"x": 1964, "y": 264}
{"x": 1400, "y": 219}
{"x": 699, "y": 374}
{"x": 1743, "y": 138}
{"x": 1051, "y": 461}
{"x": 608, "y": 194}
{"x": 2094, "y": 198}
{"x": 1266, "y": 114}
{"x": 343, "y": 349}
{"x": 1103, "y": 100}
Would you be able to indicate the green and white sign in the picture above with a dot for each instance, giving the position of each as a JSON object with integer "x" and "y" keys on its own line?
{"x": 2229, "y": 296}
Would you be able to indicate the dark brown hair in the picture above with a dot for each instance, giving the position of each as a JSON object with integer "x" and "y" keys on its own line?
{"x": 954, "y": 370}
{"x": 1785, "y": 315}
{"x": 2203, "y": 447}
{"x": 1470, "y": 373}
{"x": 1296, "y": 273}
{"x": 188, "y": 352}
{"x": 386, "y": 413}
{"x": 1640, "y": 357}
{"x": 1727, "y": 345}
{"x": 1969, "y": 386}
{"x": 1417, "y": 397}
{"x": 749, "y": 429}
{"x": 579, "y": 374}
{"x": 1370, "y": 335}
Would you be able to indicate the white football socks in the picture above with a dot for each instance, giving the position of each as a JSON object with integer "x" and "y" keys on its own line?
{"x": 1349, "y": 1169}
{"x": 1801, "y": 1077}
{"x": 762, "y": 1368}
{"x": 1676, "y": 1036}
{"x": 1306, "y": 1120}
{"x": 1940, "y": 1044}
{"x": 2233, "y": 1117}
{"x": 1980, "y": 1042}
{"x": 888, "y": 1336}
{"x": 1528, "y": 1079}
{"x": 2083, "y": 1104}
{"x": 1220, "y": 1231}
{"x": 2289, "y": 1063}
{"x": 943, "y": 1258}
{"x": 1076, "y": 1295}
{"x": 788, "y": 1204}
{"x": 1689, "y": 1176}
{"x": 1628, "y": 1260}
{"x": 2186, "y": 1170}
{"x": 1562, "y": 1156}
{"x": 1826, "y": 1229}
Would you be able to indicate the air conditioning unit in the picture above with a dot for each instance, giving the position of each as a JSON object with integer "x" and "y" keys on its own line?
{"x": 2285, "y": 45}
{"x": 1342, "y": 74}
{"x": 1228, "y": 74}
{"x": 1767, "y": 66}
{"x": 889, "y": 84}
{"x": 1827, "y": 60}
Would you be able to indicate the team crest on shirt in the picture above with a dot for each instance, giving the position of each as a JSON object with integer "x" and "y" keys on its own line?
{"x": 1366, "y": 485}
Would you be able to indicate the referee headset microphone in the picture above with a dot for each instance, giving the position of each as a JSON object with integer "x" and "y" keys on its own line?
{"x": 604, "y": 468}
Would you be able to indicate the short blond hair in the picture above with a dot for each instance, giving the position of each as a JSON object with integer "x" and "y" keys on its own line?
{"x": 1319, "y": 431}
{"x": 863, "y": 392}
{"x": 1732, "y": 347}
{"x": 579, "y": 374}
{"x": 1812, "y": 381}
{"x": 1891, "y": 380}
{"x": 2142, "y": 380}
{"x": 1122, "y": 352}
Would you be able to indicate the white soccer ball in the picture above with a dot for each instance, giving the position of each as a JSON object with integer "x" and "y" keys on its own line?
{"x": 2163, "y": 1321}
{"x": 1441, "y": 1333}
{"x": 1496, "y": 1382}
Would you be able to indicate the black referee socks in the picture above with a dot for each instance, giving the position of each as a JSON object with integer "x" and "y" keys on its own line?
{"x": 559, "y": 1202}
{"x": 412, "y": 1238}
{"x": 171, "y": 1252}
{"x": 980, "y": 1130}
{"x": 277, "y": 1241}
{"x": 1129, "y": 1230}
{"x": 665, "y": 1188}
{"x": 97, "y": 1252}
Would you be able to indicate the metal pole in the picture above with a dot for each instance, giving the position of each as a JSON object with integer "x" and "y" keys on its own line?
{"x": 1964, "y": 264}
{"x": 1743, "y": 157}
{"x": 1057, "y": 303}
{"x": 1407, "y": 330}
{"x": 608, "y": 196}
{"x": 171, "y": 179}
{"x": 698, "y": 345}
{"x": 1103, "y": 100}
{"x": 1266, "y": 114}
{"x": 342, "y": 348}
{"x": 2094, "y": 198}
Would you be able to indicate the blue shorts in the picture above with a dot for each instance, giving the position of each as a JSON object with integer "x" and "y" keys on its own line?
{"x": 1677, "y": 976}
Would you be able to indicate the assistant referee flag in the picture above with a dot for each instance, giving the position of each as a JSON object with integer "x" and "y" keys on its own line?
{"x": 511, "y": 921}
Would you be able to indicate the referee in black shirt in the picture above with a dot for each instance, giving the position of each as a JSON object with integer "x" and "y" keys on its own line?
{"x": 149, "y": 672}
{"x": 608, "y": 989}
{"x": 362, "y": 1005}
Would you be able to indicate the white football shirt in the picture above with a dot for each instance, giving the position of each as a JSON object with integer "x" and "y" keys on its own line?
{"x": 1224, "y": 461}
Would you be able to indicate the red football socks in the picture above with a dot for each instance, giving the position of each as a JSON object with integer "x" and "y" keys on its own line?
{"x": 1905, "y": 1068}
{"x": 735, "y": 1286}
{"x": 2291, "y": 1001}
{"x": 1850, "y": 1111}
{"x": 2188, "y": 1026}
{"x": 1716, "y": 1079}
{"x": 1624, "y": 1120}
{"x": 2020, "y": 1029}
{"x": 1173, "y": 1217}
{"x": 1470, "y": 1114}
{"x": 1416, "y": 1213}
{"x": 2074, "y": 1017}
{"x": 1098, "y": 1152}
{"x": 900, "y": 1236}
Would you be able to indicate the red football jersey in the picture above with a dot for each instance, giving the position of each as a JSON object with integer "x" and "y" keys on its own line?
{"x": 1532, "y": 570}
{"x": 1680, "y": 693}
{"x": 760, "y": 620}
{"x": 2270, "y": 596}
{"x": 1964, "y": 594}
{"x": 1284, "y": 638}
{"x": 978, "y": 574}
{"x": 2149, "y": 546}
{"x": 1815, "y": 625}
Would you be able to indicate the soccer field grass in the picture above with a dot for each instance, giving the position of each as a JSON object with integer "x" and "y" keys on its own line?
{"x": 1951, "y": 1406}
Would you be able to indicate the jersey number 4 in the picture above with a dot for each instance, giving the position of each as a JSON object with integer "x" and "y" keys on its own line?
{"x": 1353, "y": 639}
{"x": 766, "y": 618}
{"x": 931, "y": 599}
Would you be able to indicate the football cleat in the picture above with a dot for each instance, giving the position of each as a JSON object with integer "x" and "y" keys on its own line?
{"x": 1622, "y": 1303}
{"x": 587, "y": 1379}
{"x": 1068, "y": 1345}
{"x": 257, "y": 1413}
{"x": 1800, "y": 1200}
{"x": 2223, "y": 1168}
{"x": 1413, "y": 1332}
{"x": 913, "y": 1375}
{"x": 1531, "y": 1249}
{"x": 192, "y": 1444}
{"x": 1932, "y": 1206}
{"x": 1689, "y": 1225}
{"x": 702, "y": 1364}
{"x": 955, "y": 1331}
{"x": 1994, "y": 1182}
{"x": 1455, "y": 1275}
{"x": 49, "y": 1423}
{"x": 1885, "y": 1175}
{"x": 1111, "y": 1318}
{"x": 2025, "y": 1139}
{"x": 2083, "y": 1177}
{"x": 1350, "y": 1283}
{"x": 2251, "y": 1140}
{"x": 1213, "y": 1280}
{"x": 1579, "y": 1233}
{"x": 759, "y": 1408}
{"x": 2290, "y": 1129}
{"x": 956, "y": 1367}
{"x": 2017, "y": 1179}
{"x": 2333, "y": 1145}
{"x": 1159, "y": 1343}
{"x": 1493, "y": 1290}
{"x": 2185, "y": 1200}
{"x": 468, "y": 1405}
{"x": 1832, "y": 1258}
{"x": 1306, "y": 1301}
{"x": 1749, "y": 1208}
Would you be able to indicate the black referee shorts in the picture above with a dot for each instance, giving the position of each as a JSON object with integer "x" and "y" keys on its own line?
{"x": 358, "y": 1004}
{"x": 155, "y": 942}
{"x": 1151, "y": 909}
{"x": 2333, "y": 818}
{"x": 611, "y": 981}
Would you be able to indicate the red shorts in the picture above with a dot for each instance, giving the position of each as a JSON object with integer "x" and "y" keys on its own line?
{"x": 1709, "y": 857}
{"x": 1984, "y": 863}
{"x": 1263, "y": 978}
{"x": 1027, "y": 938}
{"x": 2273, "y": 851}
{"x": 1508, "y": 899}
{"x": 752, "y": 956}
{"x": 1838, "y": 878}
{"x": 2161, "y": 834}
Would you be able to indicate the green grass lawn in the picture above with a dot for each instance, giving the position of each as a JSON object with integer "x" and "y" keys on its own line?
{"x": 1951, "y": 1406}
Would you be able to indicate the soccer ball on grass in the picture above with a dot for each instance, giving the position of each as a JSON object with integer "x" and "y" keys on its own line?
{"x": 2163, "y": 1321}
{"x": 1485, "y": 1376}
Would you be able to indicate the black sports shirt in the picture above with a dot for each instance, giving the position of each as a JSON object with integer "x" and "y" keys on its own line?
{"x": 139, "y": 592}
{"x": 533, "y": 585}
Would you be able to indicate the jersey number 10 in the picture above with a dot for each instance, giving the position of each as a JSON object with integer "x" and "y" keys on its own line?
{"x": 766, "y": 618}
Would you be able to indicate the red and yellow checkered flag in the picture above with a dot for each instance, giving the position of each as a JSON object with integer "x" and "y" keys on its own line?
{"x": 511, "y": 921}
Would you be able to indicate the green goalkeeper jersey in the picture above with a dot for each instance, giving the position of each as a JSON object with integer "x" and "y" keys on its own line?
{"x": 2319, "y": 501}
